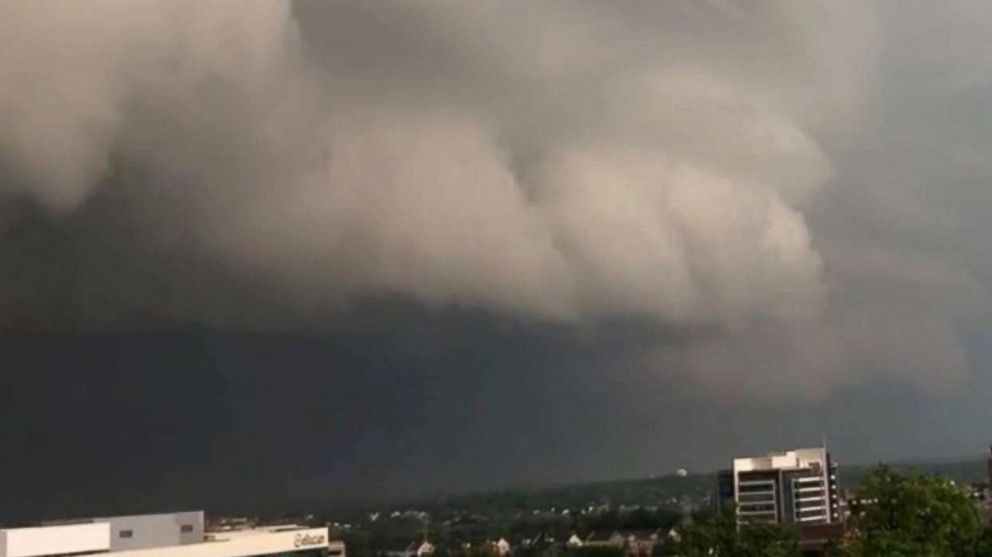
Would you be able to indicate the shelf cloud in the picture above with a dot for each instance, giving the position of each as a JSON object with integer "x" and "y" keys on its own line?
{"x": 568, "y": 165}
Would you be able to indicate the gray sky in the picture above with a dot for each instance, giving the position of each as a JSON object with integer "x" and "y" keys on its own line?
{"x": 547, "y": 240}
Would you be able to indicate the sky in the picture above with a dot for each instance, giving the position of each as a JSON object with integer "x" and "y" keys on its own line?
{"x": 284, "y": 251}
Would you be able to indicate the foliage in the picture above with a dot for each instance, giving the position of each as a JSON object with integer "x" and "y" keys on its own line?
{"x": 358, "y": 543}
{"x": 480, "y": 550}
{"x": 660, "y": 491}
{"x": 602, "y": 551}
{"x": 721, "y": 536}
{"x": 913, "y": 514}
{"x": 909, "y": 514}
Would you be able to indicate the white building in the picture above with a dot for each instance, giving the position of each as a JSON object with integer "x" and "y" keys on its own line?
{"x": 163, "y": 535}
{"x": 500, "y": 547}
{"x": 797, "y": 486}
{"x": 604, "y": 539}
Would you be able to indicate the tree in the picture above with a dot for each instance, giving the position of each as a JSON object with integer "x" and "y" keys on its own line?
{"x": 722, "y": 536}
{"x": 358, "y": 543}
{"x": 600, "y": 551}
{"x": 768, "y": 540}
{"x": 913, "y": 514}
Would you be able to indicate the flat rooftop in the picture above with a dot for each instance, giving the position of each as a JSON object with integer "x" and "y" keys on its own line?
{"x": 164, "y": 535}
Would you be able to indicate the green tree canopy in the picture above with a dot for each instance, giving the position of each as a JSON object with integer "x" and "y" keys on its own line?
{"x": 601, "y": 551}
{"x": 721, "y": 536}
{"x": 911, "y": 514}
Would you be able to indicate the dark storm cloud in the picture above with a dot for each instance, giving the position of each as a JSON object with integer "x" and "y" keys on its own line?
{"x": 669, "y": 218}
{"x": 242, "y": 422}
{"x": 554, "y": 162}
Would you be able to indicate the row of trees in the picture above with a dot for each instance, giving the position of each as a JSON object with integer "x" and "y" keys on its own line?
{"x": 450, "y": 536}
{"x": 899, "y": 514}
{"x": 720, "y": 536}
{"x": 894, "y": 514}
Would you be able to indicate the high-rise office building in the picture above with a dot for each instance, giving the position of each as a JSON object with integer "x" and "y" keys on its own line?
{"x": 792, "y": 487}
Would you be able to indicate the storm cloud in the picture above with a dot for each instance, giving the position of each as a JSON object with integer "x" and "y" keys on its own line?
{"x": 688, "y": 170}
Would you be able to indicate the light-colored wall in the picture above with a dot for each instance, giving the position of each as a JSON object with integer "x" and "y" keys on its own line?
{"x": 796, "y": 458}
{"x": 154, "y": 530}
{"x": 245, "y": 545}
{"x": 95, "y": 537}
{"x": 53, "y": 540}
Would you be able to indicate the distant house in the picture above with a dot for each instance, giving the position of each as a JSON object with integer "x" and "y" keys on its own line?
{"x": 414, "y": 548}
{"x": 641, "y": 543}
{"x": 501, "y": 547}
{"x": 536, "y": 541}
{"x": 546, "y": 543}
{"x": 604, "y": 539}
{"x": 574, "y": 541}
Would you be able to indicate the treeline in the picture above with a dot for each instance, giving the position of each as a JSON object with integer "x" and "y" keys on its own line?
{"x": 452, "y": 535}
{"x": 662, "y": 490}
{"x": 640, "y": 492}
{"x": 895, "y": 511}
{"x": 899, "y": 514}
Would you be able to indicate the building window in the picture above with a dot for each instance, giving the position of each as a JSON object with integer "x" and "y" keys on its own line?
{"x": 755, "y": 497}
{"x": 756, "y": 487}
{"x": 186, "y": 528}
{"x": 127, "y": 533}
